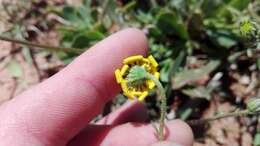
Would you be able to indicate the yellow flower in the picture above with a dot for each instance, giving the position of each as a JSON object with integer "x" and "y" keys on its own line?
{"x": 141, "y": 89}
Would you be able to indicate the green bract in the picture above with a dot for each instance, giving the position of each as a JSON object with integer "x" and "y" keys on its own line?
{"x": 253, "y": 105}
{"x": 247, "y": 27}
{"x": 137, "y": 76}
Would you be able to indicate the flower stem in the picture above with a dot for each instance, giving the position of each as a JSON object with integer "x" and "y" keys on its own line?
{"x": 163, "y": 106}
{"x": 232, "y": 114}
{"x": 68, "y": 50}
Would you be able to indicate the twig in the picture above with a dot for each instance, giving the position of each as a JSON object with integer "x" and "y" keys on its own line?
{"x": 233, "y": 114}
{"x": 55, "y": 48}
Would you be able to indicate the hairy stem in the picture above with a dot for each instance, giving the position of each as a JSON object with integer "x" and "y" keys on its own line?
{"x": 233, "y": 114}
{"x": 68, "y": 50}
{"x": 163, "y": 106}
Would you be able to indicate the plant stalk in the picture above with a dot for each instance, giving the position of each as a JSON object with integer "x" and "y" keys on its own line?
{"x": 163, "y": 106}
{"x": 233, "y": 114}
{"x": 68, "y": 50}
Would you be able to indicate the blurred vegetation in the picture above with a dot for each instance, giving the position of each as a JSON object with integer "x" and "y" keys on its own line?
{"x": 201, "y": 45}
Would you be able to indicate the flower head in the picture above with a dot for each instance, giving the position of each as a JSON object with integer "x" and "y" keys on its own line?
{"x": 247, "y": 27}
{"x": 132, "y": 76}
{"x": 254, "y": 105}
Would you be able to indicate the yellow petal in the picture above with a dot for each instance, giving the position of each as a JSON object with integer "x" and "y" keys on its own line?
{"x": 146, "y": 60}
{"x": 153, "y": 61}
{"x": 129, "y": 95}
{"x": 132, "y": 59}
{"x": 146, "y": 66}
{"x": 136, "y": 93}
{"x": 126, "y": 91}
{"x": 124, "y": 86}
{"x": 141, "y": 97}
{"x": 118, "y": 76}
{"x": 124, "y": 69}
{"x": 157, "y": 75}
{"x": 150, "y": 84}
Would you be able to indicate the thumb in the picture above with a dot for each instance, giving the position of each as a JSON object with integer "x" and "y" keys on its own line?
{"x": 165, "y": 143}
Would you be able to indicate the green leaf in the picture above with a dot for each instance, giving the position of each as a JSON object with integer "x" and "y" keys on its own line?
{"x": 233, "y": 57}
{"x": 171, "y": 24}
{"x": 145, "y": 18}
{"x": 257, "y": 139}
{"x": 70, "y": 13}
{"x": 66, "y": 57}
{"x": 226, "y": 42}
{"x": 184, "y": 77}
{"x": 27, "y": 55}
{"x": 129, "y": 6}
{"x": 222, "y": 38}
{"x": 195, "y": 25}
{"x": 109, "y": 7}
{"x": 210, "y": 7}
{"x": 84, "y": 40}
{"x": 184, "y": 115}
{"x": 164, "y": 72}
{"x": 258, "y": 63}
{"x": 201, "y": 92}
{"x": 81, "y": 41}
{"x": 156, "y": 32}
{"x": 15, "y": 68}
{"x": 236, "y": 4}
{"x": 85, "y": 16}
{"x": 181, "y": 57}
{"x": 239, "y": 4}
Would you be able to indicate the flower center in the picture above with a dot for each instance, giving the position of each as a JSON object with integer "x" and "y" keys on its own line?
{"x": 136, "y": 76}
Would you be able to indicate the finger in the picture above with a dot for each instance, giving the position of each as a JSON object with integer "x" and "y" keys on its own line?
{"x": 132, "y": 134}
{"x": 131, "y": 111}
{"x": 58, "y": 108}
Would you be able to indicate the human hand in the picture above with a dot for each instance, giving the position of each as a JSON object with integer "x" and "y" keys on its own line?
{"x": 58, "y": 110}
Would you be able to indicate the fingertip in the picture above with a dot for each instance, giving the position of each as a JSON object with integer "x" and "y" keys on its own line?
{"x": 180, "y": 132}
{"x": 136, "y": 32}
{"x": 137, "y": 36}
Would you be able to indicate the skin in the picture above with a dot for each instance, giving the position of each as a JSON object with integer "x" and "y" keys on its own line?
{"x": 58, "y": 110}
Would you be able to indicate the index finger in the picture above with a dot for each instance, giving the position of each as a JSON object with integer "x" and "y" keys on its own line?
{"x": 58, "y": 108}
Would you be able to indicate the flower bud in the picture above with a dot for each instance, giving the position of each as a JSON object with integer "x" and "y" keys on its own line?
{"x": 253, "y": 105}
{"x": 247, "y": 28}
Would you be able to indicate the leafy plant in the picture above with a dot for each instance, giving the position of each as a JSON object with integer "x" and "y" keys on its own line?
{"x": 205, "y": 30}
{"x": 191, "y": 39}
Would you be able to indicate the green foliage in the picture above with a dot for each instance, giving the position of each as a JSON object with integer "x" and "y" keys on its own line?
{"x": 198, "y": 92}
{"x": 186, "y": 76}
{"x": 15, "y": 68}
{"x": 170, "y": 24}
{"x": 257, "y": 140}
{"x": 189, "y": 38}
